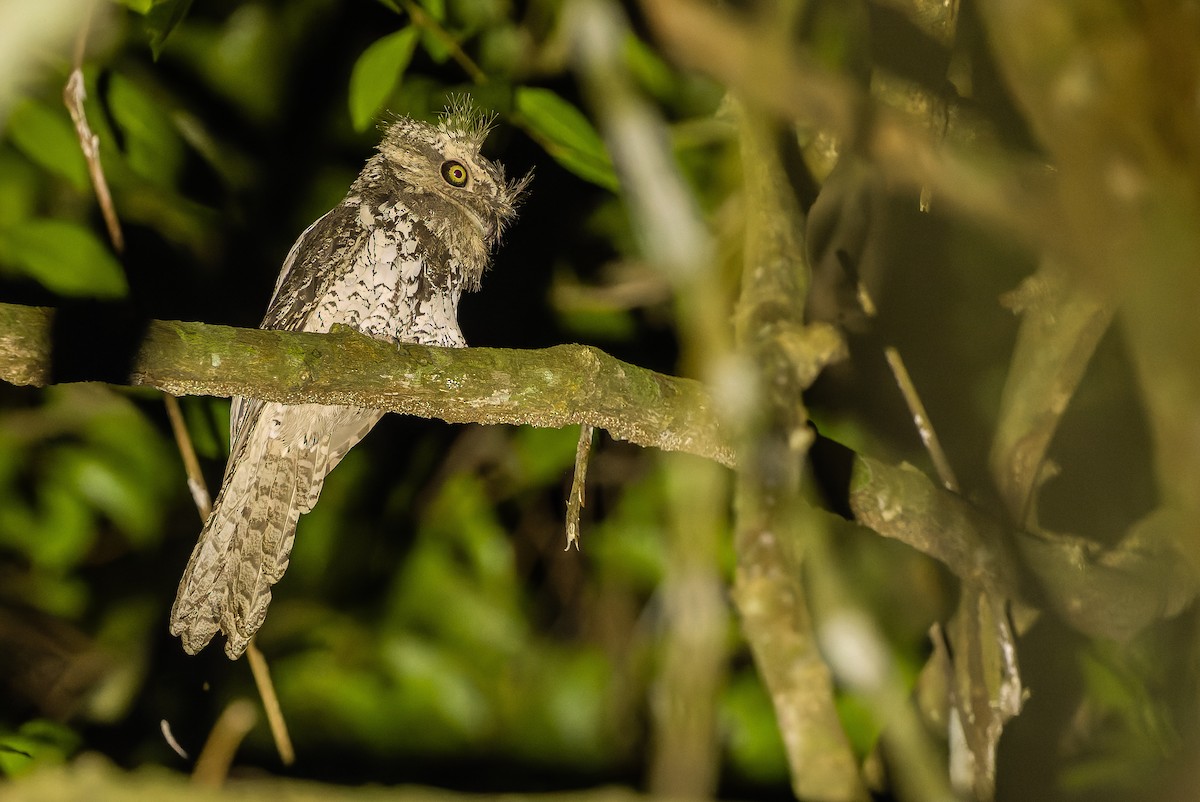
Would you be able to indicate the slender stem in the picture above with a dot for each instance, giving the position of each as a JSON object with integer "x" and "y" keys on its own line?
{"x": 921, "y": 419}
{"x": 235, "y": 721}
{"x": 74, "y": 94}
{"x": 270, "y": 700}
{"x": 195, "y": 478}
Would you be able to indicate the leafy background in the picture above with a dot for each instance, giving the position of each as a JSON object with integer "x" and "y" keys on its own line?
{"x": 431, "y": 628}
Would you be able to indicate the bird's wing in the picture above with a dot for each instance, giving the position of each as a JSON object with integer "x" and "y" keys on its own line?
{"x": 275, "y": 475}
{"x": 323, "y": 252}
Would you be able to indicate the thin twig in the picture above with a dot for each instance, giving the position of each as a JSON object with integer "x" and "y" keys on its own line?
{"x": 169, "y": 737}
{"x": 921, "y": 418}
{"x": 212, "y": 766}
{"x": 575, "y": 502}
{"x": 266, "y": 689}
{"x": 195, "y": 479}
{"x": 74, "y": 94}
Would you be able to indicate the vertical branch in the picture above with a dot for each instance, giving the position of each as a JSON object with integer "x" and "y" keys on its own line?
{"x": 665, "y": 217}
{"x": 685, "y": 745}
{"x": 583, "y": 451}
{"x": 1061, "y": 325}
{"x": 783, "y": 357}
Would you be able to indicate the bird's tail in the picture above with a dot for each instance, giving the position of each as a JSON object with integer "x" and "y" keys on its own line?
{"x": 276, "y": 470}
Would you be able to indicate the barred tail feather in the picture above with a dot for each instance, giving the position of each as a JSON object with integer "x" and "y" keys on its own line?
{"x": 280, "y": 458}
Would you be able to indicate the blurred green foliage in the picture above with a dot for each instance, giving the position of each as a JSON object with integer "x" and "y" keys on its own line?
{"x": 83, "y": 466}
{"x": 34, "y": 744}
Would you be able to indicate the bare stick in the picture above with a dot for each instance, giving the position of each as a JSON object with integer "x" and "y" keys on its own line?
{"x": 921, "y": 419}
{"x": 583, "y": 451}
{"x": 195, "y": 478}
{"x": 266, "y": 689}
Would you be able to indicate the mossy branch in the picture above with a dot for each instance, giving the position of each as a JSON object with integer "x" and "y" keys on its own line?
{"x": 769, "y": 588}
{"x": 552, "y": 387}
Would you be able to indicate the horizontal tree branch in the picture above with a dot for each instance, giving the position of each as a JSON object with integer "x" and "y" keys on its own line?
{"x": 552, "y": 387}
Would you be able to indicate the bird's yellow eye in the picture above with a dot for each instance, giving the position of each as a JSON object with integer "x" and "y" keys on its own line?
{"x": 455, "y": 174}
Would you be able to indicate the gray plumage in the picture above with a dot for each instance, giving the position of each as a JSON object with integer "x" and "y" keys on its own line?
{"x": 391, "y": 260}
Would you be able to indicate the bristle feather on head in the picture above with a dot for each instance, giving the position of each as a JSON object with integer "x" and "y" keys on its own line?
{"x": 462, "y": 120}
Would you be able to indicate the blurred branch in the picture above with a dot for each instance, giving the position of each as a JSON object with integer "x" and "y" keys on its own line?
{"x": 1110, "y": 95}
{"x": 422, "y": 19}
{"x": 938, "y": 18}
{"x": 1106, "y": 592}
{"x": 191, "y": 465}
{"x": 1061, "y": 324}
{"x": 978, "y": 178}
{"x": 234, "y": 723}
{"x": 270, "y": 700}
{"x": 676, "y": 242}
{"x": 782, "y": 356}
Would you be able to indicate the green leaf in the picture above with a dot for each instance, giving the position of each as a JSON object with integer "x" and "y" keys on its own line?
{"x": 436, "y": 9}
{"x": 54, "y": 533}
{"x": 20, "y": 188}
{"x": 153, "y": 147}
{"x": 161, "y": 19}
{"x": 566, "y": 135}
{"x": 109, "y": 487}
{"x": 377, "y": 73}
{"x": 435, "y": 46}
{"x": 37, "y": 743}
{"x": 64, "y": 257}
{"x": 651, "y": 71}
{"x": 245, "y": 58}
{"x": 47, "y": 137}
